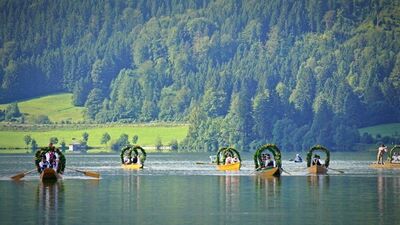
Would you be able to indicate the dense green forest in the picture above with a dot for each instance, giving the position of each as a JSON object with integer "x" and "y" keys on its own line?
{"x": 241, "y": 72}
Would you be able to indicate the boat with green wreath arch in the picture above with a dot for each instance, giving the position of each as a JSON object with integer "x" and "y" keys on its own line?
{"x": 50, "y": 173}
{"x": 132, "y": 152}
{"x": 268, "y": 171}
{"x": 318, "y": 169}
{"x": 390, "y": 163}
{"x": 222, "y": 154}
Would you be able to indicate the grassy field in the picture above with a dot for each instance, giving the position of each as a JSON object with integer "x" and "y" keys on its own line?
{"x": 57, "y": 107}
{"x": 383, "y": 129}
{"x": 147, "y": 135}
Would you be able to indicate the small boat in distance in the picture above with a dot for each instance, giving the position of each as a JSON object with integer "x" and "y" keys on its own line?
{"x": 387, "y": 165}
{"x": 392, "y": 162}
{"x": 228, "y": 159}
{"x": 264, "y": 164}
{"x": 314, "y": 163}
{"x": 232, "y": 166}
{"x": 133, "y": 157}
{"x": 297, "y": 159}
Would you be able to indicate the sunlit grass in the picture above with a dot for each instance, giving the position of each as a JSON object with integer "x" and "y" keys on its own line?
{"x": 57, "y": 107}
{"x": 147, "y": 135}
{"x": 383, "y": 129}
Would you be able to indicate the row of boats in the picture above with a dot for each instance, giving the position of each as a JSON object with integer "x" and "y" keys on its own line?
{"x": 267, "y": 161}
{"x": 263, "y": 165}
{"x": 314, "y": 164}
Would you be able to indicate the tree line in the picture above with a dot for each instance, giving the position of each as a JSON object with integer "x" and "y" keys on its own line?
{"x": 241, "y": 73}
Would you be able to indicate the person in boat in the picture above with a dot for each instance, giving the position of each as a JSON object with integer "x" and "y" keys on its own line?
{"x": 127, "y": 159}
{"x": 52, "y": 157}
{"x": 134, "y": 159}
{"x": 317, "y": 161}
{"x": 396, "y": 158}
{"x": 298, "y": 158}
{"x": 228, "y": 159}
{"x": 43, "y": 164}
{"x": 263, "y": 160}
{"x": 268, "y": 161}
{"x": 381, "y": 151}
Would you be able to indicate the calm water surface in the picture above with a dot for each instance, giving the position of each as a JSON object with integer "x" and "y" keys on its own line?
{"x": 173, "y": 189}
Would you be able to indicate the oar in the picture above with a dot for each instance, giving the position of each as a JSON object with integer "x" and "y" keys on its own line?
{"x": 254, "y": 171}
{"x": 340, "y": 171}
{"x": 87, "y": 173}
{"x": 205, "y": 163}
{"x": 21, "y": 175}
{"x": 285, "y": 171}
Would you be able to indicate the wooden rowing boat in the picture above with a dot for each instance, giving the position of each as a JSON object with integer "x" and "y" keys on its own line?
{"x": 387, "y": 165}
{"x": 49, "y": 174}
{"x": 233, "y": 166}
{"x": 270, "y": 172}
{"x": 133, "y": 166}
{"x": 315, "y": 169}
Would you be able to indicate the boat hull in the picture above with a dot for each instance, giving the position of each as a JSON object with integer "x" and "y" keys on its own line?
{"x": 317, "y": 169}
{"x": 132, "y": 166}
{"x": 270, "y": 172}
{"x": 232, "y": 167}
{"x": 49, "y": 174}
{"x": 385, "y": 166}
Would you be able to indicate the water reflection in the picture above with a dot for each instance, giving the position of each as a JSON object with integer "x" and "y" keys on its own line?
{"x": 267, "y": 191}
{"x": 387, "y": 193}
{"x": 320, "y": 181}
{"x": 50, "y": 202}
{"x": 230, "y": 186}
{"x": 269, "y": 185}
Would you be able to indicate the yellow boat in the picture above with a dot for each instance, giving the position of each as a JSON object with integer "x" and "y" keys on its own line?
{"x": 49, "y": 174}
{"x": 270, "y": 172}
{"x": 315, "y": 169}
{"x": 233, "y": 166}
{"x": 387, "y": 165}
{"x": 133, "y": 166}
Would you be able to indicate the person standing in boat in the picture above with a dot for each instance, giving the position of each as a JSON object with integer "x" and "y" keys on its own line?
{"x": 381, "y": 151}
{"x": 316, "y": 161}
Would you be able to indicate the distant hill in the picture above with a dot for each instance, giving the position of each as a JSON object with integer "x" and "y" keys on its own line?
{"x": 391, "y": 129}
{"x": 57, "y": 107}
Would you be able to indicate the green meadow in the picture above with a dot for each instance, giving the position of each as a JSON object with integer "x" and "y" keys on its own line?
{"x": 57, "y": 107}
{"x": 390, "y": 129}
{"x": 147, "y": 135}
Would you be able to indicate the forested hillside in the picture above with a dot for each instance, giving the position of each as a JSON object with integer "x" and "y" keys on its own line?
{"x": 295, "y": 73}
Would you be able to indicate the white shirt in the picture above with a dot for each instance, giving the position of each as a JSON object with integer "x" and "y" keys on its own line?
{"x": 48, "y": 156}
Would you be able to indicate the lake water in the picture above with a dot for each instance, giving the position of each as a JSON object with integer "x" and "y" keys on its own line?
{"x": 173, "y": 189}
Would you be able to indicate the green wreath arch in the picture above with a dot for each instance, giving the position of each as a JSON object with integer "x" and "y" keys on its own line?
{"x": 137, "y": 150}
{"x": 271, "y": 148}
{"x": 221, "y": 154}
{"x": 318, "y": 148}
{"x": 42, "y": 152}
{"x": 395, "y": 149}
